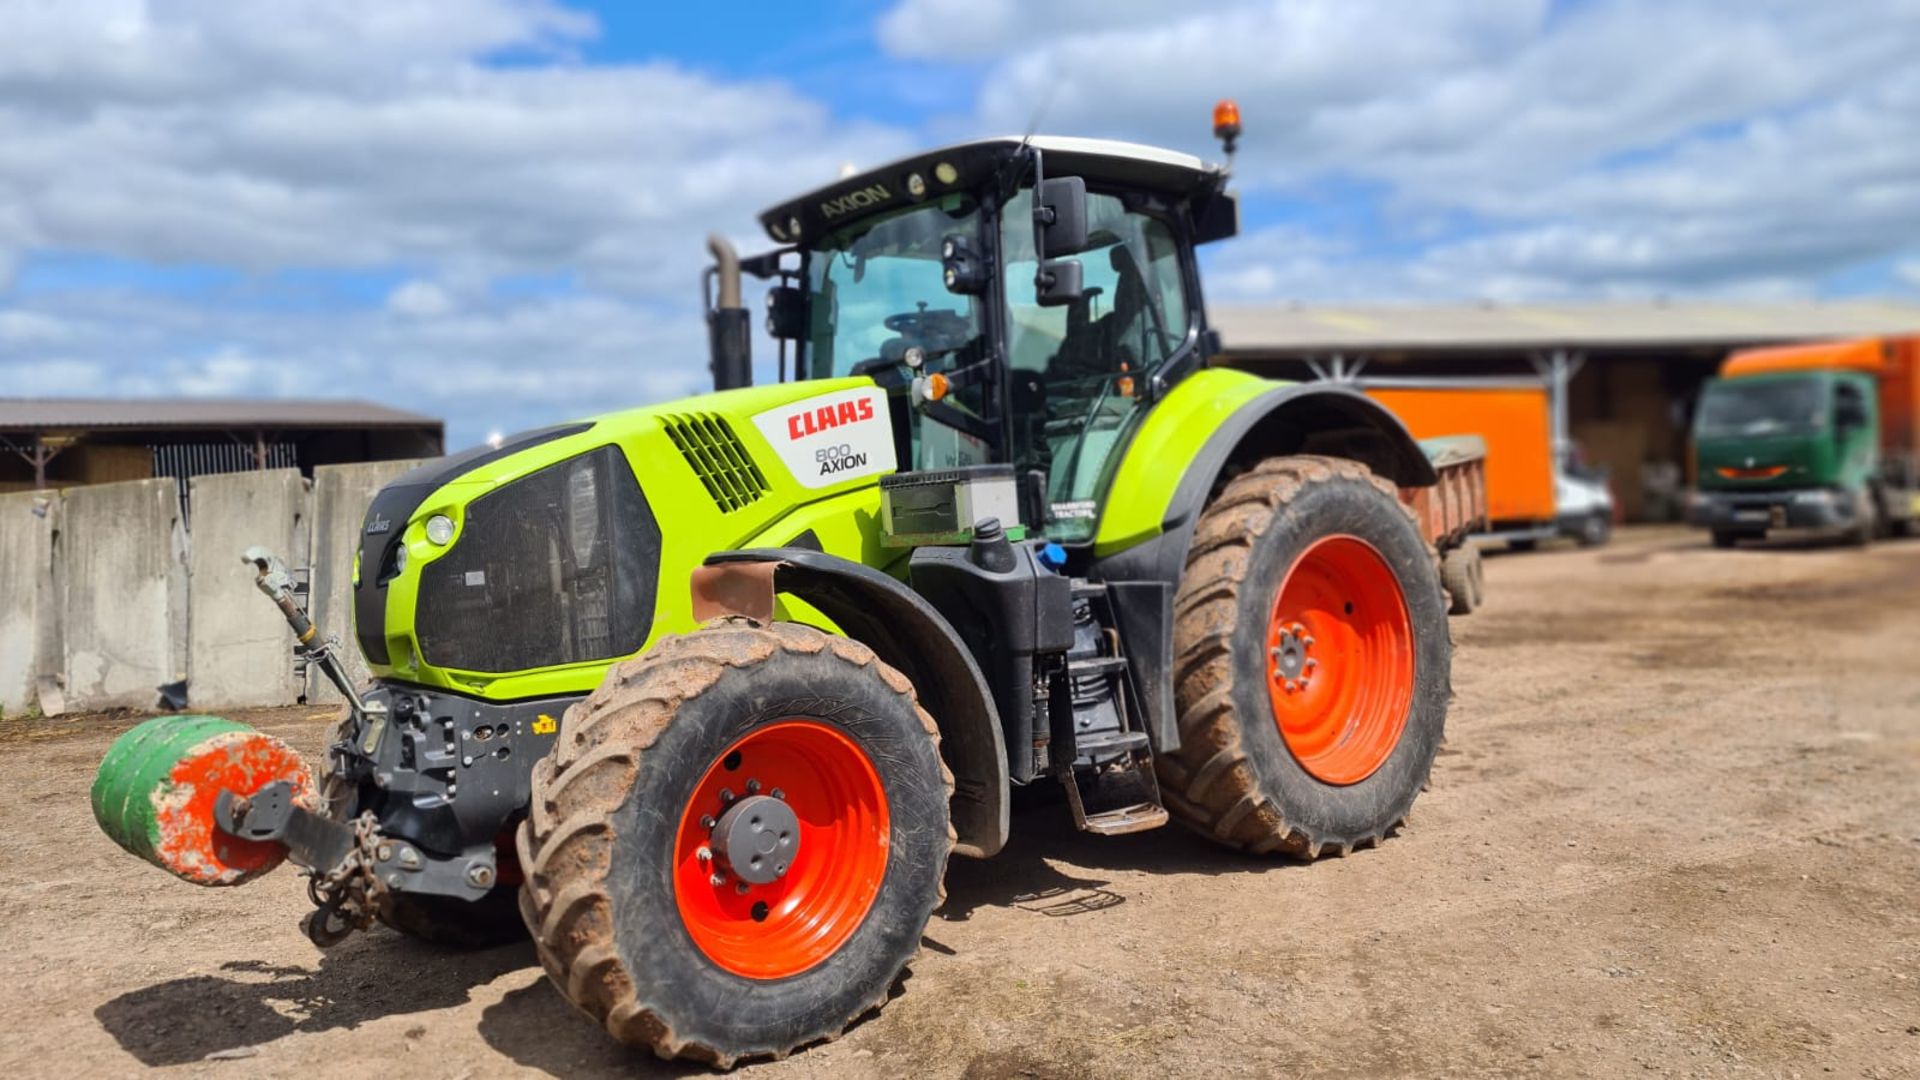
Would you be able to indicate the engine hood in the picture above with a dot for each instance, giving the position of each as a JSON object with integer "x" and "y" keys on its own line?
{"x": 564, "y": 549}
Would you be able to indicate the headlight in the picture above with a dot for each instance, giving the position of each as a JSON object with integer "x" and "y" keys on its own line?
{"x": 400, "y": 560}
{"x": 440, "y": 529}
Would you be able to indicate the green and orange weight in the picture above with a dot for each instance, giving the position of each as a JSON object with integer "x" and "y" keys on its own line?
{"x": 155, "y": 792}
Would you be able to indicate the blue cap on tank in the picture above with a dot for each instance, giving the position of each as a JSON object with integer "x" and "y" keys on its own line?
{"x": 1053, "y": 556}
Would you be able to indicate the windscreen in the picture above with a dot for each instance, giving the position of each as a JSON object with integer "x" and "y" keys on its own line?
{"x": 1763, "y": 407}
{"x": 877, "y": 288}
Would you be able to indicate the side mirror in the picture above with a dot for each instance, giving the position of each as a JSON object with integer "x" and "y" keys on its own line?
{"x": 786, "y": 313}
{"x": 1060, "y": 208}
{"x": 961, "y": 267}
{"x": 1058, "y": 283}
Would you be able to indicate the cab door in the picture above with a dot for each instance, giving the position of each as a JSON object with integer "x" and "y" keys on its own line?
{"x": 1078, "y": 370}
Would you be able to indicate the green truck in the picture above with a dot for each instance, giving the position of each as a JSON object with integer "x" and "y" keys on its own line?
{"x": 1818, "y": 436}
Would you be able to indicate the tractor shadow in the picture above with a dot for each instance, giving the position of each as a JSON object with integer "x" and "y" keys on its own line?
{"x": 368, "y": 978}
{"x": 1043, "y": 869}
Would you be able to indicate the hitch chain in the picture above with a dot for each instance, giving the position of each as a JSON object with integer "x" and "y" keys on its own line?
{"x": 348, "y": 896}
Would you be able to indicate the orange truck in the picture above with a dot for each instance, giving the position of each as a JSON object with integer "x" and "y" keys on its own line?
{"x": 1534, "y": 493}
{"x": 1823, "y": 436}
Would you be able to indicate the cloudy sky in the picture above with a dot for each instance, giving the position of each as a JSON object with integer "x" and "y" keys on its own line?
{"x": 492, "y": 210}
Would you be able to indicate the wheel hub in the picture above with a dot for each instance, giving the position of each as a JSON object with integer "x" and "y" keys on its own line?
{"x": 1290, "y": 657}
{"x": 757, "y": 838}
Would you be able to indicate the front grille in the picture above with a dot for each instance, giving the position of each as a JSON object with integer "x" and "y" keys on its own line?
{"x": 718, "y": 458}
{"x": 557, "y": 567}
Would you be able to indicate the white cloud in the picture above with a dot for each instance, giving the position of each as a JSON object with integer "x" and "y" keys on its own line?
{"x": 1649, "y": 145}
{"x": 375, "y": 136}
{"x": 420, "y": 299}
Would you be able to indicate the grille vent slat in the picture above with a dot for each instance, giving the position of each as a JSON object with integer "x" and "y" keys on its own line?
{"x": 717, "y": 457}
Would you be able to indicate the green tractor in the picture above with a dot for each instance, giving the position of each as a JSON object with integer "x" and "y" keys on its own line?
{"x": 705, "y": 694}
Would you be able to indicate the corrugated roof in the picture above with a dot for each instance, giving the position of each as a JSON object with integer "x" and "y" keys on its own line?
{"x": 1296, "y": 328}
{"x": 66, "y": 414}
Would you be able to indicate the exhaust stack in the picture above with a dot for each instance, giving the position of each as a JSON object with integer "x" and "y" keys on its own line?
{"x": 729, "y": 335}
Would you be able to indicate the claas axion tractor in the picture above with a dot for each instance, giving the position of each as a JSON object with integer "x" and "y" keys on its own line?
{"x": 704, "y": 695}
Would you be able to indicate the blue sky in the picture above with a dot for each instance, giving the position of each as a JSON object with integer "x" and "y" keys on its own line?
{"x": 491, "y": 210}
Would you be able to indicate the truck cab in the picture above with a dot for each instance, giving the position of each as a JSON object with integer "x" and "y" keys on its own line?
{"x": 1799, "y": 438}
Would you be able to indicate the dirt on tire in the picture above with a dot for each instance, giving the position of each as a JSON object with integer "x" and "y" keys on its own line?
{"x": 567, "y": 845}
{"x": 1224, "y": 780}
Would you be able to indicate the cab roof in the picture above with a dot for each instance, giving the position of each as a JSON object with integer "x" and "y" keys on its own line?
{"x": 1098, "y": 161}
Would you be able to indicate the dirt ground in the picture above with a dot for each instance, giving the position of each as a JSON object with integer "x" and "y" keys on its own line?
{"x": 1676, "y": 829}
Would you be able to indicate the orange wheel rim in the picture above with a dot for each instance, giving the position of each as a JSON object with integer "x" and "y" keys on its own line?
{"x": 1340, "y": 660}
{"x": 785, "y": 907}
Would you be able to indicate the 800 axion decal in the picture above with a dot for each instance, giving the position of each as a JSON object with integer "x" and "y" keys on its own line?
{"x": 832, "y": 438}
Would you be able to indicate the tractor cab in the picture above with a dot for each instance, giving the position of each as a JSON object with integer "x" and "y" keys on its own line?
{"x": 1023, "y": 302}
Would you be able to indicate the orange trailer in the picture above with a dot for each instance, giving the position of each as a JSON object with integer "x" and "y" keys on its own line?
{"x": 1515, "y": 422}
{"x": 1532, "y": 493}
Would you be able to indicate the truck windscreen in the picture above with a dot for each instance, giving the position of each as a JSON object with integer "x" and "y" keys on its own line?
{"x": 1763, "y": 407}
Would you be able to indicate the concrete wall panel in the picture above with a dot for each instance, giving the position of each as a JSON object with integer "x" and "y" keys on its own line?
{"x": 26, "y": 536}
{"x": 340, "y": 497}
{"x": 120, "y": 576}
{"x": 239, "y": 650}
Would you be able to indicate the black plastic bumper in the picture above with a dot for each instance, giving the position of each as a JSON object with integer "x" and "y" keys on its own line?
{"x": 1758, "y": 511}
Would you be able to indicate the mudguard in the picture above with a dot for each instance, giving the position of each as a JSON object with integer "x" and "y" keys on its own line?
{"x": 1297, "y": 418}
{"x": 908, "y": 634}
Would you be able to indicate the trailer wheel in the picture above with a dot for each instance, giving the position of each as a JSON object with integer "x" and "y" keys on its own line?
{"x": 1312, "y": 662}
{"x": 1460, "y": 574}
{"x": 736, "y": 842}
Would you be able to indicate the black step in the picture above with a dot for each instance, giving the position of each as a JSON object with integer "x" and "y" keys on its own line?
{"x": 1102, "y": 744}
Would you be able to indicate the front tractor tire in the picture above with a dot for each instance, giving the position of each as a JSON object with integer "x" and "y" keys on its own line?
{"x": 1312, "y": 662}
{"x": 736, "y": 842}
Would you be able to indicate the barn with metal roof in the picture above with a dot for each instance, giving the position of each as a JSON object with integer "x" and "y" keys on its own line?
{"x": 1629, "y": 372}
{"x": 60, "y": 442}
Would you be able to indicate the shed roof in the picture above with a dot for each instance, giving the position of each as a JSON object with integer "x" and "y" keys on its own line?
{"x": 79, "y": 414}
{"x": 1295, "y": 329}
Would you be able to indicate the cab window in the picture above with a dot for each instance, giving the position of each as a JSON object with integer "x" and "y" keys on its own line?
{"x": 1077, "y": 368}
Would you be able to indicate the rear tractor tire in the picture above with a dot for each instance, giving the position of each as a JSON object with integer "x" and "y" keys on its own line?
{"x": 1312, "y": 662}
{"x": 736, "y": 842}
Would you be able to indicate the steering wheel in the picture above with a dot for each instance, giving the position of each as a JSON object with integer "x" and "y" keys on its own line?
{"x": 935, "y": 331}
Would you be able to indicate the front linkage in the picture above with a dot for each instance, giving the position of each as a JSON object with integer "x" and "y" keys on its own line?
{"x": 353, "y": 867}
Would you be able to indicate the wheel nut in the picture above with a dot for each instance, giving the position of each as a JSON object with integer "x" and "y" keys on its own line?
{"x": 1290, "y": 686}
{"x": 1310, "y": 664}
{"x": 717, "y": 880}
{"x": 704, "y": 855}
{"x": 778, "y": 794}
{"x": 384, "y": 853}
{"x": 706, "y": 822}
{"x": 753, "y": 787}
{"x": 741, "y": 888}
{"x": 480, "y": 875}
{"x": 726, "y": 796}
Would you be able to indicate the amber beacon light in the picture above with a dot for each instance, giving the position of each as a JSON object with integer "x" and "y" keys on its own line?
{"x": 1226, "y": 123}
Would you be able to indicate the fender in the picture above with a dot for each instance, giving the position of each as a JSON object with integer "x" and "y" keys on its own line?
{"x": 1299, "y": 418}
{"x": 905, "y": 632}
